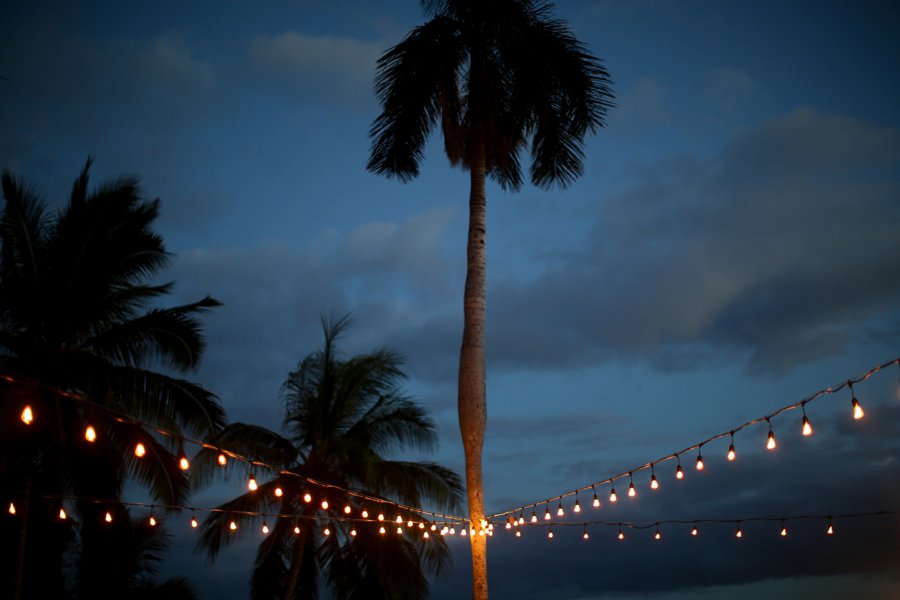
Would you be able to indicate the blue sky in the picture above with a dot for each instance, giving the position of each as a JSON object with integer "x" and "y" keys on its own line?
{"x": 733, "y": 246}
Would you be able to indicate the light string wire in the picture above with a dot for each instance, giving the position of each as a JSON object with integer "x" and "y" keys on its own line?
{"x": 696, "y": 446}
{"x": 123, "y": 418}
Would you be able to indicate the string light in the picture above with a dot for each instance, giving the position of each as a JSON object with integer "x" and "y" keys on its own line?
{"x": 62, "y": 514}
{"x": 364, "y": 514}
{"x": 232, "y": 526}
{"x": 654, "y": 484}
{"x": 12, "y": 508}
{"x": 381, "y": 530}
{"x": 731, "y": 453}
{"x": 297, "y": 530}
{"x": 184, "y": 464}
{"x": 307, "y": 497}
{"x": 621, "y": 535}
{"x": 139, "y": 450}
{"x": 770, "y": 444}
{"x": 547, "y": 512}
{"x": 399, "y": 531}
{"x": 783, "y": 530}
{"x": 699, "y": 458}
{"x": 679, "y": 472}
{"x": 27, "y": 415}
{"x": 631, "y": 491}
{"x": 830, "y": 530}
{"x": 108, "y": 517}
{"x": 657, "y": 535}
{"x": 857, "y": 409}
{"x": 353, "y": 532}
{"x": 90, "y": 434}
{"x": 550, "y": 532}
{"x": 347, "y": 509}
{"x": 194, "y": 522}
{"x": 324, "y": 505}
{"x": 152, "y": 520}
{"x": 251, "y": 483}
{"x": 521, "y": 519}
{"x": 265, "y": 528}
{"x": 559, "y": 511}
{"x": 577, "y": 507}
{"x": 533, "y": 516}
{"x": 381, "y": 516}
{"x": 739, "y": 533}
{"x": 518, "y": 533}
{"x": 278, "y": 492}
{"x": 585, "y": 534}
{"x": 399, "y": 519}
{"x": 222, "y": 460}
{"x": 695, "y": 531}
{"x": 612, "y": 492}
{"x": 807, "y": 429}
{"x": 326, "y": 532}
{"x": 596, "y": 501}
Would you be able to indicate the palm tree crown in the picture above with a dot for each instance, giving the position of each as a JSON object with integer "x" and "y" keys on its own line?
{"x": 342, "y": 418}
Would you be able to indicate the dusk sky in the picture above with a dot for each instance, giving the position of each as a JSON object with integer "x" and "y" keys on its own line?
{"x": 733, "y": 247}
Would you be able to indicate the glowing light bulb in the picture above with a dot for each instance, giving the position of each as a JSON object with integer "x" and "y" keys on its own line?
{"x": 425, "y": 535}
{"x": 399, "y": 519}
{"x": 830, "y": 530}
{"x": 559, "y": 511}
{"x": 251, "y": 484}
{"x": 577, "y": 507}
{"x": 279, "y": 492}
{"x": 353, "y": 532}
{"x": 612, "y": 494}
{"x": 699, "y": 462}
{"x": 27, "y": 415}
{"x": 518, "y": 533}
{"x": 739, "y": 533}
{"x": 108, "y": 517}
{"x": 422, "y": 526}
{"x": 410, "y": 523}
{"x": 12, "y": 508}
{"x": 462, "y": 531}
{"x": 731, "y": 453}
{"x": 453, "y": 531}
{"x": 783, "y": 531}
{"x": 324, "y": 504}
{"x": 858, "y": 412}
{"x": 297, "y": 530}
{"x": 694, "y": 532}
{"x": 307, "y": 497}
{"x": 152, "y": 521}
{"x": 326, "y": 532}
{"x": 550, "y": 534}
{"x": 621, "y": 535}
{"x": 521, "y": 519}
{"x": 265, "y": 528}
{"x": 232, "y": 526}
{"x": 90, "y": 434}
{"x": 139, "y": 450}
{"x": 62, "y": 514}
{"x": 380, "y": 516}
{"x": 807, "y": 428}
{"x": 533, "y": 517}
{"x": 381, "y": 529}
{"x": 585, "y": 535}
{"x": 222, "y": 460}
{"x": 771, "y": 443}
{"x": 596, "y": 501}
{"x": 654, "y": 484}
{"x": 657, "y": 535}
{"x": 194, "y": 523}
{"x": 433, "y": 527}
{"x": 347, "y": 510}
{"x": 364, "y": 514}
{"x": 547, "y": 514}
{"x": 184, "y": 464}
{"x": 399, "y": 531}
{"x": 679, "y": 473}
{"x": 631, "y": 491}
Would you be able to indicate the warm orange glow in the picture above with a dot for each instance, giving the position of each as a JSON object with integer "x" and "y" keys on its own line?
{"x": 296, "y": 530}
{"x": 807, "y": 428}
{"x": 381, "y": 529}
{"x": 251, "y": 484}
{"x": 657, "y": 535}
{"x": 365, "y": 514}
{"x": 596, "y": 501}
{"x": 279, "y": 492}
{"x": 139, "y": 450}
{"x": 425, "y": 535}
{"x": 739, "y": 534}
{"x": 152, "y": 521}
{"x": 409, "y": 523}
{"x": 547, "y": 516}
{"x": 89, "y": 434}
{"x": 550, "y": 534}
{"x": 347, "y": 510}
{"x": 108, "y": 517}
{"x": 265, "y": 528}
{"x": 784, "y": 532}
{"x": 830, "y": 530}
{"x": 585, "y": 534}
{"x": 422, "y": 526}
{"x": 577, "y": 507}
{"x": 326, "y": 532}
{"x": 399, "y": 531}
{"x": 462, "y": 531}
{"x": 654, "y": 484}
{"x": 771, "y": 443}
{"x": 324, "y": 504}
{"x": 12, "y": 508}
{"x": 679, "y": 474}
{"x": 353, "y": 532}
{"x": 399, "y": 519}
{"x": 222, "y": 460}
{"x": 62, "y": 514}
{"x": 612, "y": 495}
{"x": 380, "y": 516}
{"x": 232, "y": 526}
{"x": 560, "y": 512}
{"x": 27, "y": 416}
{"x": 533, "y": 517}
{"x": 858, "y": 412}
{"x": 631, "y": 491}
{"x": 194, "y": 523}
{"x": 699, "y": 463}
{"x": 518, "y": 533}
{"x": 184, "y": 464}
{"x": 621, "y": 535}
{"x": 694, "y": 531}
{"x": 307, "y": 497}
{"x": 731, "y": 453}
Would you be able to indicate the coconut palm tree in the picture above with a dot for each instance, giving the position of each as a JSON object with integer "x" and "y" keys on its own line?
{"x": 75, "y": 316}
{"x": 342, "y": 415}
{"x": 500, "y": 76}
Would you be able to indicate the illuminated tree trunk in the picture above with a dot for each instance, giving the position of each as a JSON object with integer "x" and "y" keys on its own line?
{"x": 472, "y": 401}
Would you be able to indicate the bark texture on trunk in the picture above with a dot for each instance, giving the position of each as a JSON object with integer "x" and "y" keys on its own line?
{"x": 472, "y": 402}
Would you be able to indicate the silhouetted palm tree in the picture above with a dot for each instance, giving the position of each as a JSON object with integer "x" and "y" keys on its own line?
{"x": 74, "y": 298}
{"x": 341, "y": 417}
{"x": 500, "y": 76}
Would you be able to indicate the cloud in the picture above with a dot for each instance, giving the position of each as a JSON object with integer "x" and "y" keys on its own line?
{"x": 776, "y": 250}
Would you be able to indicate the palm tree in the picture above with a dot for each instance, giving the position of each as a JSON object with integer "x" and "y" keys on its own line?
{"x": 341, "y": 417}
{"x": 74, "y": 293}
{"x": 499, "y": 75}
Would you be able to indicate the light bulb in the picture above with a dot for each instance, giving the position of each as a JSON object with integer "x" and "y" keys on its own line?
{"x": 444, "y": 530}
{"x": 279, "y": 492}
{"x": 559, "y": 511}
{"x": 139, "y": 450}
{"x": 550, "y": 534}
{"x": 518, "y": 533}
{"x": 222, "y": 460}
{"x": 381, "y": 529}
{"x": 807, "y": 428}
{"x": 585, "y": 535}
{"x": 783, "y": 531}
{"x": 152, "y": 521}
{"x": 381, "y": 516}
{"x": 399, "y": 531}
{"x": 739, "y": 533}
{"x": 27, "y": 415}
{"x": 621, "y": 535}
{"x": 433, "y": 527}
{"x": 194, "y": 523}
{"x": 90, "y": 434}
{"x": 453, "y": 531}
{"x": 108, "y": 517}
{"x": 771, "y": 443}
{"x": 577, "y": 507}
{"x": 251, "y": 484}
{"x": 521, "y": 519}
{"x": 631, "y": 491}
{"x": 399, "y": 519}
{"x": 694, "y": 532}
{"x": 547, "y": 514}
{"x": 654, "y": 484}
{"x": 731, "y": 453}
{"x": 830, "y": 530}
{"x": 265, "y": 528}
{"x": 364, "y": 514}
{"x": 410, "y": 523}
{"x": 12, "y": 508}
{"x": 657, "y": 535}
{"x": 62, "y": 514}
{"x": 425, "y": 535}
{"x": 347, "y": 509}
{"x": 858, "y": 412}
{"x": 462, "y": 531}
{"x": 612, "y": 494}
{"x": 324, "y": 504}
{"x": 184, "y": 464}
{"x": 232, "y": 526}
{"x": 679, "y": 474}
{"x": 307, "y": 497}
{"x": 353, "y": 532}
{"x": 699, "y": 462}
{"x": 422, "y": 526}
{"x": 596, "y": 501}
{"x": 297, "y": 530}
{"x": 533, "y": 517}
{"x": 326, "y": 532}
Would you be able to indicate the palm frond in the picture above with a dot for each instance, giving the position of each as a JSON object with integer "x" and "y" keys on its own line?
{"x": 251, "y": 441}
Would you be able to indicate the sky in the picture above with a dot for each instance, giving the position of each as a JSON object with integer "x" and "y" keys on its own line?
{"x": 733, "y": 247}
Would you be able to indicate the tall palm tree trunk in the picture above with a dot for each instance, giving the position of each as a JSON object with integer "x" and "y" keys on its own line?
{"x": 472, "y": 402}
{"x": 293, "y": 576}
